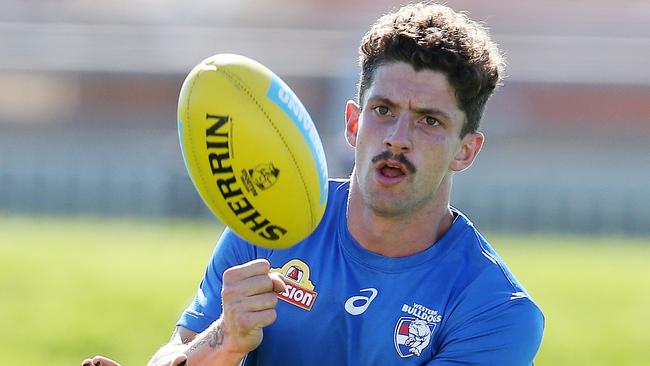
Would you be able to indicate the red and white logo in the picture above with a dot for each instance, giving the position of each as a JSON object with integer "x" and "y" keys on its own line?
{"x": 412, "y": 336}
{"x": 413, "y": 333}
{"x": 299, "y": 290}
{"x": 295, "y": 273}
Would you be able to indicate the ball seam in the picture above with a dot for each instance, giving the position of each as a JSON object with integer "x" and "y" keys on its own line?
{"x": 244, "y": 87}
{"x": 189, "y": 136}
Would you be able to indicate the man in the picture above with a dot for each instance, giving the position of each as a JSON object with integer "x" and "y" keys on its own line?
{"x": 393, "y": 274}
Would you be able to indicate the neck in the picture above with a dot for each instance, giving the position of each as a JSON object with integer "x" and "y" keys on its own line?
{"x": 403, "y": 234}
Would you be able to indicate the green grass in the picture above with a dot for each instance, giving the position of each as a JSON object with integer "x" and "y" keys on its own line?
{"x": 595, "y": 294}
{"x": 72, "y": 288}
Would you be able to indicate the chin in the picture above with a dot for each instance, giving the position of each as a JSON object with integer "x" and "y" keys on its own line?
{"x": 389, "y": 211}
{"x": 387, "y": 206}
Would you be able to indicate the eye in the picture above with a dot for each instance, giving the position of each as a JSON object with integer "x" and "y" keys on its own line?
{"x": 431, "y": 121}
{"x": 381, "y": 110}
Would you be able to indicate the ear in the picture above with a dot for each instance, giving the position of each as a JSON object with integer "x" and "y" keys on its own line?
{"x": 351, "y": 122}
{"x": 467, "y": 151}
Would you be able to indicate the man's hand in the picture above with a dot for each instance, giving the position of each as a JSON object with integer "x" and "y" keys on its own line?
{"x": 103, "y": 361}
{"x": 248, "y": 296}
{"x": 249, "y": 299}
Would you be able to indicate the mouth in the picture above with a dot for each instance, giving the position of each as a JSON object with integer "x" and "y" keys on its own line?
{"x": 391, "y": 169}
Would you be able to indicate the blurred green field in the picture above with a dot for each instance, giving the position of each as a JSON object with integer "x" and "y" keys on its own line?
{"x": 72, "y": 288}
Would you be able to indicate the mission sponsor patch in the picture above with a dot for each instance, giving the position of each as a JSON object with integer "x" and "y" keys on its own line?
{"x": 299, "y": 290}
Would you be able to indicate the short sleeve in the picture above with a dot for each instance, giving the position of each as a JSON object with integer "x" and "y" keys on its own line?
{"x": 205, "y": 308}
{"x": 505, "y": 334}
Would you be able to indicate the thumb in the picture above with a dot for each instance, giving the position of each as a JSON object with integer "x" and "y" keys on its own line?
{"x": 278, "y": 282}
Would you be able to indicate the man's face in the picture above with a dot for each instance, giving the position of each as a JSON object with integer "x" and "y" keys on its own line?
{"x": 406, "y": 138}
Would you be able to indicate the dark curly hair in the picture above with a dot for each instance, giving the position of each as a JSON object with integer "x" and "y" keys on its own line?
{"x": 435, "y": 37}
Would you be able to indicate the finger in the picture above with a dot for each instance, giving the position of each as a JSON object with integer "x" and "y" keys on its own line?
{"x": 103, "y": 361}
{"x": 256, "y": 319}
{"x": 259, "y": 302}
{"x": 87, "y": 362}
{"x": 253, "y": 268}
{"x": 269, "y": 282}
{"x": 266, "y": 317}
{"x": 251, "y": 312}
{"x": 180, "y": 360}
{"x": 239, "y": 291}
{"x": 278, "y": 282}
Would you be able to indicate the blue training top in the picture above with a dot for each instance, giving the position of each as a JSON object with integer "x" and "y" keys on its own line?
{"x": 455, "y": 303}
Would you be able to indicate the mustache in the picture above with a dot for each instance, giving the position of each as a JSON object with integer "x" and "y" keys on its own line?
{"x": 399, "y": 157}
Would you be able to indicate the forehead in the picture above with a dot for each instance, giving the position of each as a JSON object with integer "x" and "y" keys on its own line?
{"x": 399, "y": 82}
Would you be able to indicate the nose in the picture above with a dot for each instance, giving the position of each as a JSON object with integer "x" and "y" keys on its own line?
{"x": 399, "y": 140}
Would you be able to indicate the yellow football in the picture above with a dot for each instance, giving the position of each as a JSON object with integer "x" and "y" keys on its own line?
{"x": 252, "y": 151}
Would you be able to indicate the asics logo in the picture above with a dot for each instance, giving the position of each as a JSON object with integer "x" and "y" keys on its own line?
{"x": 357, "y": 305}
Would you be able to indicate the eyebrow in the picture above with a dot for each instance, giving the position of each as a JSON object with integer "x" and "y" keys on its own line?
{"x": 389, "y": 103}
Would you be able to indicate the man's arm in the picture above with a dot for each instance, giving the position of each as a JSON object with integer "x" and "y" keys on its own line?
{"x": 249, "y": 299}
{"x": 507, "y": 334}
{"x": 170, "y": 354}
{"x": 184, "y": 343}
{"x": 176, "y": 347}
{"x": 200, "y": 348}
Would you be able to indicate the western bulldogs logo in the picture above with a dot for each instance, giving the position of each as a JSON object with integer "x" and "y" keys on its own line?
{"x": 412, "y": 336}
{"x": 413, "y": 333}
{"x": 261, "y": 178}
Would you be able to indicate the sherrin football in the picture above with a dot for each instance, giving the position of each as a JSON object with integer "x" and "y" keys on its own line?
{"x": 252, "y": 151}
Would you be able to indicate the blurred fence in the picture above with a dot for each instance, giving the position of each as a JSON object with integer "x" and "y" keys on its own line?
{"x": 103, "y": 192}
{"x": 556, "y": 209}
{"x": 88, "y": 101}
{"x": 123, "y": 191}
{"x": 554, "y": 159}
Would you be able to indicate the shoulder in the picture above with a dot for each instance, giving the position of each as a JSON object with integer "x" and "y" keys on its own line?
{"x": 487, "y": 277}
{"x": 338, "y": 187}
{"x": 486, "y": 287}
{"x": 503, "y": 332}
{"x": 336, "y": 200}
{"x": 232, "y": 250}
{"x": 490, "y": 313}
{"x": 483, "y": 269}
